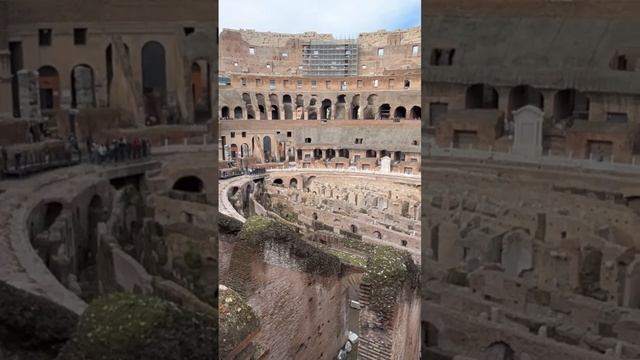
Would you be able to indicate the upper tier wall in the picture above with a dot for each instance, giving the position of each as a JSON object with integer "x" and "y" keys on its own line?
{"x": 87, "y": 11}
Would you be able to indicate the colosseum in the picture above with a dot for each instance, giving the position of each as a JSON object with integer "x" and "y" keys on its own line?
{"x": 107, "y": 180}
{"x": 530, "y": 187}
{"x": 320, "y": 229}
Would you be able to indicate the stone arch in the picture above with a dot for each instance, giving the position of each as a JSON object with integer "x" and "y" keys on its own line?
{"x": 275, "y": 107}
{"x": 288, "y": 107}
{"x": 481, "y": 96}
{"x": 244, "y": 150}
{"x": 377, "y": 234}
{"x": 384, "y": 111}
{"x": 589, "y": 275}
{"x": 326, "y": 110}
{"x": 261, "y": 107}
{"x": 415, "y": 113}
{"x": 278, "y": 181}
{"x": 523, "y": 95}
{"x": 82, "y": 87}
{"x": 201, "y": 89}
{"x": 234, "y": 151}
{"x": 237, "y": 113}
{"x": 95, "y": 215}
{"x": 224, "y": 113}
{"x": 355, "y": 106}
{"x": 191, "y": 183}
{"x": 341, "y": 105}
{"x": 344, "y": 153}
{"x": 266, "y": 147}
{"x": 49, "y": 86}
{"x": 293, "y": 183}
{"x": 52, "y": 211}
{"x": 400, "y": 113}
{"x": 430, "y": 335}
{"x": 154, "y": 76}
{"x": 570, "y": 105}
{"x": 499, "y": 351}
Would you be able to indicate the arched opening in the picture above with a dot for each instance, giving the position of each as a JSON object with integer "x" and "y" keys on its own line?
{"x": 330, "y": 154}
{"x": 355, "y": 106}
{"x": 341, "y": 113}
{"x": 275, "y": 112}
{"x": 370, "y": 153}
{"x": 154, "y": 79}
{"x": 288, "y": 107}
{"x": 499, "y": 351}
{"x": 315, "y": 216}
{"x": 247, "y": 101}
{"x": 244, "y": 150}
{"x": 234, "y": 151}
{"x": 224, "y": 113}
{"x": 317, "y": 154}
{"x": 344, "y": 153}
{"x": 278, "y": 182}
{"x": 325, "y": 110}
{"x": 49, "y": 88}
{"x": 87, "y": 252}
{"x": 415, "y": 113}
{"x": 481, "y": 96}
{"x": 384, "y": 111}
{"x": 200, "y": 89}
{"x": 524, "y": 95}
{"x": 589, "y": 276}
{"x": 82, "y": 87}
{"x": 354, "y": 229}
{"x": 430, "y": 335}
{"x": 237, "y": 113}
{"x": 400, "y": 113}
{"x": 192, "y": 184}
{"x": 261, "y": 106}
{"x": 377, "y": 234}
{"x": 51, "y": 213}
{"x": 570, "y": 105}
{"x": 293, "y": 183}
{"x": 266, "y": 147}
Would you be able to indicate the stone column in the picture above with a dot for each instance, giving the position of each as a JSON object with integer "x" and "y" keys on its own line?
{"x": 29, "y": 94}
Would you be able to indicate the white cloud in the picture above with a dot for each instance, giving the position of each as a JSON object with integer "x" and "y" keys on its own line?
{"x": 343, "y": 18}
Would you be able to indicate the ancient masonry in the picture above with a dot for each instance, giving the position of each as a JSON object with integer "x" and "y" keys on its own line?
{"x": 530, "y": 181}
{"x": 330, "y": 153}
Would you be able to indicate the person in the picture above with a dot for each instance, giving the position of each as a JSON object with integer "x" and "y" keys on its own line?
{"x": 102, "y": 152}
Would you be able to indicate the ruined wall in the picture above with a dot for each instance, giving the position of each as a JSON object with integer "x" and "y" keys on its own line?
{"x": 546, "y": 260}
{"x": 270, "y": 48}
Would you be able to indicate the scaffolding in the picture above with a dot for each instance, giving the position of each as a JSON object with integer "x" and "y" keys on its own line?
{"x": 337, "y": 58}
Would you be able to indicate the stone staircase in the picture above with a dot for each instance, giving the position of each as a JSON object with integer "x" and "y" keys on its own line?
{"x": 375, "y": 341}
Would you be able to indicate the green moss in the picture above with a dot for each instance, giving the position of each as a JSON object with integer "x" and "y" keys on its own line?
{"x": 348, "y": 258}
{"x": 387, "y": 271}
{"x": 126, "y": 326}
{"x": 237, "y": 320}
{"x": 259, "y": 231}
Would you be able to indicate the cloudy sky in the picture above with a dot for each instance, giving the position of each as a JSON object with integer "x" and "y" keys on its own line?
{"x": 342, "y": 18}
